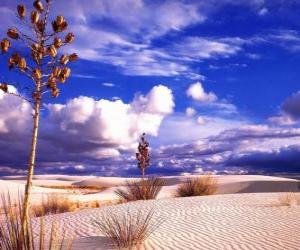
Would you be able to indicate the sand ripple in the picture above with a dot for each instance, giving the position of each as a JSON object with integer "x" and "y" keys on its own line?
{"x": 234, "y": 221}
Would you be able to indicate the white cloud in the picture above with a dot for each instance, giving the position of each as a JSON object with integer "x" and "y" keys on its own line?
{"x": 112, "y": 122}
{"x": 83, "y": 130}
{"x": 108, "y": 84}
{"x": 190, "y": 112}
{"x": 192, "y": 48}
{"x": 201, "y": 120}
{"x": 84, "y": 76}
{"x": 197, "y": 92}
{"x": 158, "y": 101}
{"x": 15, "y": 112}
{"x": 283, "y": 120}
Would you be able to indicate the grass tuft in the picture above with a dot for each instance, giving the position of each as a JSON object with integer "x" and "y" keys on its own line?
{"x": 12, "y": 237}
{"x": 288, "y": 199}
{"x": 146, "y": 189}
{"x": 54, "y": 204}
{"x": 129, "y": 229}
{"x": 205, "y": 185}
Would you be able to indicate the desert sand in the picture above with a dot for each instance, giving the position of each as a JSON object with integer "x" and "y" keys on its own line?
{"x": 228, "y": 184}
{"x": 233, "y": 221}
{"x": 244, "y": 214}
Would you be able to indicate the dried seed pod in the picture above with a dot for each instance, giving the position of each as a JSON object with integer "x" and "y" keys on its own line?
{"x": 59, "y": 20}
{"x": 22, "y": 64}
{"x": 37, "y": 74}
{"x": 21, "y": 11}
{"x": 13, "y": 34}
{"x": 52, "y": 51}
{"x": 55, "y": 27}
{"x": 57, "y": 42}
{"x": 61, "y": 78}
{"x": 63, "y": 26}
{"x": 5, "y": 44}
{"x": 38, "y": 5}
{"x": 66, "y": 72}
{"x": 73, "y": 57}
{"x": 51, "y": 82}
{"x": 55, "y": 92}
{"x": 56, "y": 71}
{"x": 64, "y": 59}
{"x": 4, "y": 87}
{"x": 11, "y": 63}
{"x": 69, "y": 37}
{"x": 35, "y": 47}
{"x": 40, "y": 26}
{"x": 34, "y": 17}
{"x": 13, "y": 60}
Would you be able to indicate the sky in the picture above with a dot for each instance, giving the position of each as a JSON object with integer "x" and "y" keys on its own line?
{"x": 214, "y": 85}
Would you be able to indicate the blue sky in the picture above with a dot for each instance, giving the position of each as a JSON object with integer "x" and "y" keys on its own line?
{"x": 214, "y": 84}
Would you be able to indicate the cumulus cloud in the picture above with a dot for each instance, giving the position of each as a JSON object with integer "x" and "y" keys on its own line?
{"x": 189, "y": 111}
{"x": 83, "y": 130}
{"x": 197, "y": 92}
{"x": 201, "y": 120}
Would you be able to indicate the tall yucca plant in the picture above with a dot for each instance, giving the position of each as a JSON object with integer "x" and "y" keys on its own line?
{"x": 44, "y": 68}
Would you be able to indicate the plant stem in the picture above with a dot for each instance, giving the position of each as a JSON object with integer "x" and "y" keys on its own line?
{"x": 32, "y": 157}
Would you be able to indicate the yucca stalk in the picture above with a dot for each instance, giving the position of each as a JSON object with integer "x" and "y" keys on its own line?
{"x": 45, "y": 70}
{"x": 143, "y": 156}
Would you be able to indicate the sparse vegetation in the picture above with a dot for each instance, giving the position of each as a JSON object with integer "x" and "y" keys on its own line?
{"x": 205, "y": 185}
{"x": 56, "y": 204}
{"x": 288, "y": 199}
{"x": 80, "y": 189}
{"x": 53, "y": 204}
{"x": 146, "y": 189}
{"x": 129, "y": 229}
{"x": 12, "y": 237}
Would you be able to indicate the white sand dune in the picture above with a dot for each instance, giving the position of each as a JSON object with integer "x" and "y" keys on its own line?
{"x": 241, "y": 216}
{"x": 233, "y": 221}
{"x": 227, "y": 184}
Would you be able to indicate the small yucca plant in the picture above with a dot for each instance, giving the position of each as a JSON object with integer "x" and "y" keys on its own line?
{"x": 129, "y": 229}
{"x": 205, "y": 185}
{"x": 12, "y": 237}
{"x": 146, "y": 189}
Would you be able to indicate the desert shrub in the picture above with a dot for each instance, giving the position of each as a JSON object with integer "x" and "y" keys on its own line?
{"x": 128, "y": 229}
{"x": 205, "y": 185}
{"x": 54, "y": 204}
{"x": 288, "y": 199}
{"x": 145, "y": 189}
{"x": 12, "y": 237}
